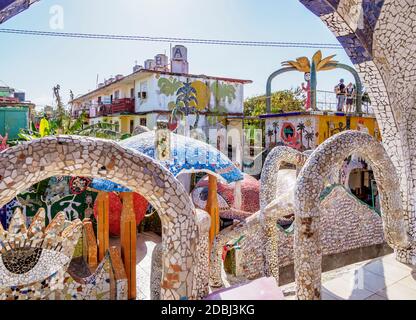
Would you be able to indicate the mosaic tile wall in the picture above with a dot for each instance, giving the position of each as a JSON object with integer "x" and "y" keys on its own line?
{"x": 30, "y": 162}
{"x": 379, "y": 36}
{"x": 346, "y": 224}
{"x": 308, "y": 219}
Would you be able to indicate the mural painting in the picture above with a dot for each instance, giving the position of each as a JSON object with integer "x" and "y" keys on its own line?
{"x": 306, "y": 132}
{"x": 297, "y": 132}
{"x": 211, "y": 95}
{"x": 57, "y": 194}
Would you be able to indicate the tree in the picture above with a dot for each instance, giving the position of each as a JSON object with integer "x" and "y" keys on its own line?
{"x": 282, "y": 101}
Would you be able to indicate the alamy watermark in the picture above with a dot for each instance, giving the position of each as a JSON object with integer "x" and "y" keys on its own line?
{"x": 56, "y": 21}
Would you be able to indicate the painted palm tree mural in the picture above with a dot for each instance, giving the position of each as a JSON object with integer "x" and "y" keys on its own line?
{"x": 186, "y": 102}
{"x": 309, "y": 136}
{"x": 301, "y": 128}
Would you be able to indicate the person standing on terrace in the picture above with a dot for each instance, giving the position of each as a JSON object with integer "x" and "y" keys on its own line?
{"x": 350, "y": 91}
{"x": 341, "y": 95}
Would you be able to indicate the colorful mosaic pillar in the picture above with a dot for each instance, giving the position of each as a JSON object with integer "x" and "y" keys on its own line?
{"x": 212, "y": 208}
{"x": 103, "y": 227}
{"x": 128, "y": 242}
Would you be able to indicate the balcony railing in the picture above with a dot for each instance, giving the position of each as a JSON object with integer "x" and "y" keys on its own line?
{"x": 118, "y": 106}
{"x": 125, "y": 105}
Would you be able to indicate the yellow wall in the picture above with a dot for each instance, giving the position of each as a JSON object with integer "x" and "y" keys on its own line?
{"x": 330, "y": 125}
{"x": 123, "y": 121}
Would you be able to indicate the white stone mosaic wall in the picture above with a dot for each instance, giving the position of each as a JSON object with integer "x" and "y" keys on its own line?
{"x": 31, "y": 162}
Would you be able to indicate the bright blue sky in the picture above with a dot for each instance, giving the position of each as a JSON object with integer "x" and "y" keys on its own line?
{"x": 36, "y": 64}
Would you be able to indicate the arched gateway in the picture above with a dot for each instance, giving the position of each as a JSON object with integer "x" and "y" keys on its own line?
{"x": 26, "y": 164}
{"x": 308, "y": 253}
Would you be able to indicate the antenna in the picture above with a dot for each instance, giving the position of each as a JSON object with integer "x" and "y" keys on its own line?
{"x": 170, "y": 55}
{"x": 96, "y": 81}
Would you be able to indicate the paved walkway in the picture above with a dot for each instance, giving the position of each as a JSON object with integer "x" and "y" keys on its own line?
{"x": 379, "y": 279}
{"x": 145, "y": 244}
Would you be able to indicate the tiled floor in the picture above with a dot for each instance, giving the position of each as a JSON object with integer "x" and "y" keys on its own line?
{"x": 379, "y": 279}
{"x": 145, "y": 244}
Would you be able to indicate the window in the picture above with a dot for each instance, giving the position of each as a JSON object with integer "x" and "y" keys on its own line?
{"x": 143, "y": 122}
{"x": 132, "y": 93}
{"x": 143, "y": 91}
{"x": 117, "y": 94}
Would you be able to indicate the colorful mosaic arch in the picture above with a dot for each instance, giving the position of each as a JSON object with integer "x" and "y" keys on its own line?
{"x": 26, "y": 164}
{"x": 379, "y": 37}
{"x": 310, "y": 184}
{"x": 268, "y": 193}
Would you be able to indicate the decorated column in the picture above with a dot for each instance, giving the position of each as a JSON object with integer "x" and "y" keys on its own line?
{"x": 128, "y": 234}
{"x": 103, "y": 226}
{"x": 212, "y": 208}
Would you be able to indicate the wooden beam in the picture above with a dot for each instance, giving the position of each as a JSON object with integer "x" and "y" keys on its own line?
{"x": 103, "y": 226}
{"x": 212, "y": 208}
{"x": 89, "y": 244}
{"x": 128, "y": 234}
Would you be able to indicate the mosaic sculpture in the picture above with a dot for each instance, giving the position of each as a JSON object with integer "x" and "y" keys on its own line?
{"x": 268, "y": 194}
{"x": 379, "y": 38}
{"x": 36, "y": 262}
{"x": 116, "y": 206}
{"x": 310, "y": 184}
{"x": 30, "y": 162}
{"x": 267, "y": 244}
{"x": 226, "y": 197}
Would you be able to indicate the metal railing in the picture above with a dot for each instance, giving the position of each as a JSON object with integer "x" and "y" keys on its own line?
{"x": 327, "y": 101}
{"x": 101, "y": 109}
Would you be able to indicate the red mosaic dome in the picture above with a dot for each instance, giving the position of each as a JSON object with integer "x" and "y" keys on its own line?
{"x": 250, "y": 189}
{"x": 140, "y": 207}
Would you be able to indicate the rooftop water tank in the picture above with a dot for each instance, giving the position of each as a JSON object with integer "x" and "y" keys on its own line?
{"x": 161, "y": 60}
{"x": 150, "y": 64}
{"x": 180, "y": 53}
{"x": 137, "y": 68}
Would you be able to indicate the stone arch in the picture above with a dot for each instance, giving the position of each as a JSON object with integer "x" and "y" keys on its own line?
{"x": 308, "y": 255}
{"x": 268, "y": 189}
{"x": 378, "y": 37}
{"x": 31, "y": 162}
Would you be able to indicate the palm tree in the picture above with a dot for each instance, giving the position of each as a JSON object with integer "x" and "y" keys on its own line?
{"x": 303, "y": 64}
{"x": 301, "y": 128}
{"x": 318, "y": 63}
{"x": 309, "y": 137}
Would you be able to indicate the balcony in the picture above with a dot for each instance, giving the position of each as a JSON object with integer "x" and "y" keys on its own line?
{"x": 118, "y": 106}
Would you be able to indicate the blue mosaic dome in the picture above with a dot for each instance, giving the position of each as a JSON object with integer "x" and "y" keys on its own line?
{"x": 187, "y": 155}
